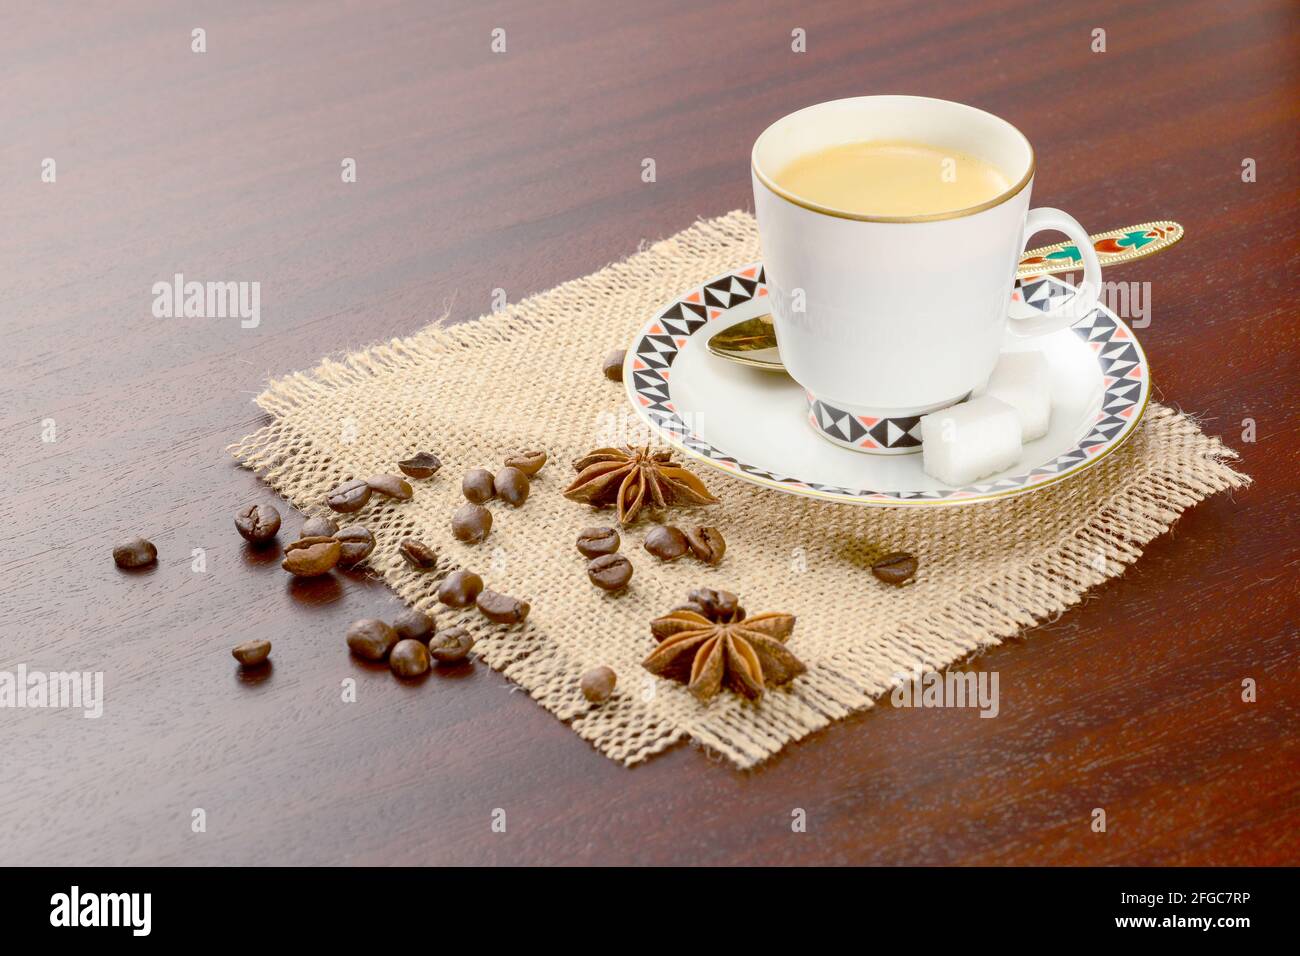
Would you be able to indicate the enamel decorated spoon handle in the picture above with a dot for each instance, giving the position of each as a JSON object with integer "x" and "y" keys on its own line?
{"x": 1112, "y": 248}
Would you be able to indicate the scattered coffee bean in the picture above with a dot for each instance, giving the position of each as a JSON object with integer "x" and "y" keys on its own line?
{"x": 593, "y": 542}
{"x": 460, "y": 589}
{"x": 371, "y": 638}
{"x": 530, "y": 462}
{"x": 666, "y": 542}
{"x": 409, "y": 659}
{"x": 391, "y": 486}
{"x": 471, "y": 523}
{"x": 451, "y": 645}
{"x": 597, "y": 684}
{"x": 308, "y": 557}
{"x": 610, "y": 572}
{"x": 896, "y": 568}
{"x": 257, "y": 523}
{"x": 422, "y": 465}
{"x": 478, "y": 485}
{"x": 418, "y": 554}
{"x": 502, "y": 608}
{"x": 706, "y": 543}
{"x": 251, "y": 653}
{"x": 511, "y": 485}
{"x": 355, "y": 544}
{"x": 720, "y": 606}
{"x": 349, "y": 497}
{"x": 613, "y": 365}
{"x": 318, "y": 528}
{"x": 135, "y": 553}
{"x": 413, "y": 625}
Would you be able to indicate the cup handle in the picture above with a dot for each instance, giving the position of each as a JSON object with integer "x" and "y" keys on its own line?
{"x": 1027, "y": 321}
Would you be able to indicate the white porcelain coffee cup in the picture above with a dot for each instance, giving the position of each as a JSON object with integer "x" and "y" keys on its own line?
{"x": 884, "y": 319}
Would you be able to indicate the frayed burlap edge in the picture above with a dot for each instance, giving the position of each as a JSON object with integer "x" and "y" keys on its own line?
{"x": 1192, "y": 466}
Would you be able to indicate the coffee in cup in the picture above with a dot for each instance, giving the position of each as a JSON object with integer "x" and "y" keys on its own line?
{"x": 892, "y": 178}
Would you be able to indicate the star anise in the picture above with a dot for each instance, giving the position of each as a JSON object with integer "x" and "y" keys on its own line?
{"x": 635, "y": 478}
{"x": 719, "y": 646}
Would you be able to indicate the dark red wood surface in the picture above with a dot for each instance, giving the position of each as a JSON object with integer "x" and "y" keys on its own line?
{"x": 520, "y": 170}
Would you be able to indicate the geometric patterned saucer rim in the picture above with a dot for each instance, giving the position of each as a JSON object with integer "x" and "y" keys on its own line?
{"x": 1125, "y": 375}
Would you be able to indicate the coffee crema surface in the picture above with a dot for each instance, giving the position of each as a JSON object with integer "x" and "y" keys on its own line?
{"x": 895, "y": 178}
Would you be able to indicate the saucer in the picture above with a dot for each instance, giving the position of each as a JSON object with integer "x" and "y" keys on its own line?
{"x": 757, "y": 425}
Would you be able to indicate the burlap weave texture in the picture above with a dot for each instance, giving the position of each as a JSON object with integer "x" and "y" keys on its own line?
{"x": 529, "y": 376}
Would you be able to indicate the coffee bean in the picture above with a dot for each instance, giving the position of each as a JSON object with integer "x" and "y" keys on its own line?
{"x": 666, "y": 542}
{"x": 409, "y": 659}
{"x": 318, "y": 528}
{"x": 413, "y": 625}
{"x": 418, "y": 554}
{"x": 308, "y": 557}
{"x": 593, "y": 542}
{"x": 478, "y": 485}
{"x": 257, "y": 523}
{"x": 425, "y": 464}
{"x": 597, "y": 684}
{"x": 719, "y": 606}
{"x": 349, "y": 497}
{"x": 451, "y": 645}
{"x": 896, "y": 568}
{"x": 613, "y": 365}
{"x": 530, "y": 462}
{"x": 610, "y": 572}
{"x": 706, "y": 543}
{"x": 502, "y": 608}
{"x": 511, "y": 485}
{"x": 251, "y": 653}
{"x": 471, "y": 523}
{"x": 371, "y": 638}
{"x": 460, "y": 589}
{"x": 355, "y": 544}
{"x": 135, "y": 553}
{"x": 391, "y": 486}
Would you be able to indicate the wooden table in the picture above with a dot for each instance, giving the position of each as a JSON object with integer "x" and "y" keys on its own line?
{"x": 478, "y": 171}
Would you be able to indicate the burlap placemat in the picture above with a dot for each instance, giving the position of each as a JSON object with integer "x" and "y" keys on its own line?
{"x": 529, "y": 376}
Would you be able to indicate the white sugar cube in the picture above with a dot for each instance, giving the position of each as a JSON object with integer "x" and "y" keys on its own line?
{"x": 968, "y": 441}
{"x": 1020, "y": 380}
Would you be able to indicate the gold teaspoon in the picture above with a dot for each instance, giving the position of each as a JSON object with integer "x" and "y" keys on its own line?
{"x": 753, "y": 342}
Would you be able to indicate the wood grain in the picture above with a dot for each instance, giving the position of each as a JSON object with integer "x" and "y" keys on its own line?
{"x": 517, "y": 171}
